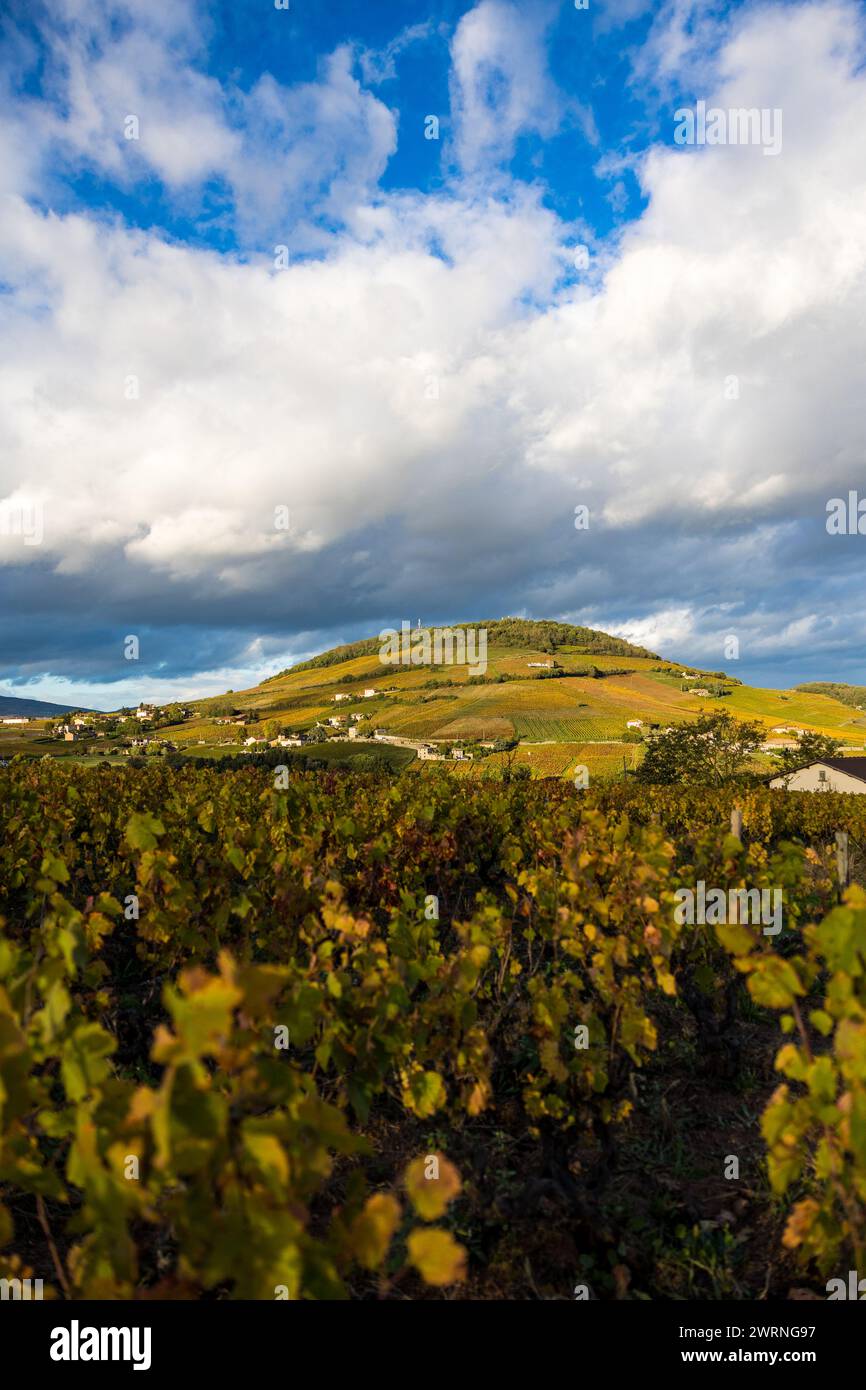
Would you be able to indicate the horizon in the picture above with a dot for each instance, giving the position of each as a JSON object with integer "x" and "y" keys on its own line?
{"x": 317, "y": 316}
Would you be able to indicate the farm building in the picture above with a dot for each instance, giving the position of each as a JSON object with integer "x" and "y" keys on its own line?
{"x": 829, "y": 775}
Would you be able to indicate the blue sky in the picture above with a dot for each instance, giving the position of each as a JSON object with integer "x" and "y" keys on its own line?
{"x": 281, "y": 299}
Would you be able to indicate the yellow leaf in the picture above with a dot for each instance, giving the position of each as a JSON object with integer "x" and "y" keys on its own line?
{"x": 373, "y": 1228}
{"x": 431, "y": 1182}
{"x": 437, "y": 1256}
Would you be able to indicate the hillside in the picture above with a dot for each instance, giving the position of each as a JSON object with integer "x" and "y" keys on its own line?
{"x": 553, "y": 697}
{"x": 577, "y": 713}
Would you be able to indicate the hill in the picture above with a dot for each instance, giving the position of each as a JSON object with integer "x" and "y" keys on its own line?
{"x": 552, "y": 697}
{"x": 10, "y": 707}
{"x": 854, "y": 695}
{"x": 546, "y": 698}
{"x": 541, "y": 635}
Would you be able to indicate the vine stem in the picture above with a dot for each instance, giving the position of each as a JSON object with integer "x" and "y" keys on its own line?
{"x": 55, "y": 1257}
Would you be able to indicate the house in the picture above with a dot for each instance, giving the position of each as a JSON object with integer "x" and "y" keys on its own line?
{"x": 143, "y": 713}
{"x": 545, "y": 665}
{"x": 460, "y": 754}
{"x": 338, "y": 698}
{"x": 827, "y": 775}
{"x": 428, "y": 753}
{"x": 337, "y": 721}
{"x": 353, "y": 731}
{"x": 701, "y": 691}
{"x": 19, "y": 720}
{"x": 369, "y": 693}
{"x": 634, "y": 723}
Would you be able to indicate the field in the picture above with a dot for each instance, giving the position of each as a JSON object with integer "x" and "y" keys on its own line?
{"x": 356, "y": 1036}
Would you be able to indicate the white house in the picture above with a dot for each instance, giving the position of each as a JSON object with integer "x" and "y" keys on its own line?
{"x": 828, "y": 775}
{"x": 142, "y": 713}
{"x": 19, "y": 720}
{"x": 702, "y": 691}
{"x": 634, "y": 723}
{"x": 546, "y": 665}
{"x": 369, "y": 693}
{"x": 338, "y": 698}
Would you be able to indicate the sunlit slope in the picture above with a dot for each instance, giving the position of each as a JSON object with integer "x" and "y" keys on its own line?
{"x": 591, "y": 704}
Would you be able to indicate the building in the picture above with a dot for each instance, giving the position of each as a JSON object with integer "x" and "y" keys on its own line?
{"x": 634, "y": 723}
{"x": 369, "y": 693}
{"x": 428, "y": 753}
{"x": 15, "y": 720}
{"x": 143, "y": 713}
{"x": 702, "y": 691}
{"x": 545, "y": 665}
{"x": 828, "y": 775}
{"x": 460, "y": 754}
{"x": 338, "y": 698}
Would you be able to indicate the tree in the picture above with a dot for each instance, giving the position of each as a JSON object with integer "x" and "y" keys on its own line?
{"x": 811, "y": 748}
{"x": 709, "y": 752}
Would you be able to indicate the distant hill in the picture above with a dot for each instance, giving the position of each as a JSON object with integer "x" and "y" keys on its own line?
{"x": 35, "y": 709}
{"x": 854, "y": 695}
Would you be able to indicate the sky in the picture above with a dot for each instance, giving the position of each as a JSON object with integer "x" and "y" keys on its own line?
{"x": 320, "y": 317}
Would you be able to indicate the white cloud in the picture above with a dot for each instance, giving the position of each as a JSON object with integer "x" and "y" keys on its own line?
{"x": 501, "y": 87}
{"x": 276, "y": 152}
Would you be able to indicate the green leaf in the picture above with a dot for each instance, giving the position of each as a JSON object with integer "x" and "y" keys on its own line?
{"x": 143, "y": 830}
{"x": 84, "y": 1061}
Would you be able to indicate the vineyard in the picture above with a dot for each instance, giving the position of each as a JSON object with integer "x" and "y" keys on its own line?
{"x": 369, "y": 1037}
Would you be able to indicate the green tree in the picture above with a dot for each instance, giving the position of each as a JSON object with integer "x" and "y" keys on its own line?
{"x": 709, "y": 752}
{"x": 811, "y": 748}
